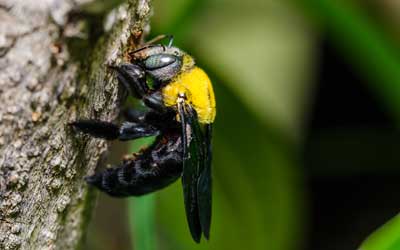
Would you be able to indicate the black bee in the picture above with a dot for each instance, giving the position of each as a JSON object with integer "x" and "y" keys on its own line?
{"x": 181, "y": 111}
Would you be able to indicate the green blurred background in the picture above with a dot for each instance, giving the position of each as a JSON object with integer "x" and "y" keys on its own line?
{"x": 306, "y": 137}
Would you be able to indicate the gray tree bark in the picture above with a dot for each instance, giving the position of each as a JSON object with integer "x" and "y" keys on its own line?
{"x": 51, "y": 73}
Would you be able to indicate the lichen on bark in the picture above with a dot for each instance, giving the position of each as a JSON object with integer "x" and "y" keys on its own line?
{"x": 44, "y": 201}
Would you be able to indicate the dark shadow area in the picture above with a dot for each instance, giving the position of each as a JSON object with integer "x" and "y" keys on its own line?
{"x": 351, "y": 158}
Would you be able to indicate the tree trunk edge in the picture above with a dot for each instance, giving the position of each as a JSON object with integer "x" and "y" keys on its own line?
{"x": 44, "y": 201}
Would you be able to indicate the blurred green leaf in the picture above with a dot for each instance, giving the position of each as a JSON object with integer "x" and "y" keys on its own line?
{"x": 176, "y": 16}
{"x": 142, "y": 222}
{"x": 364, "y": 43}
{"x": 369, "y": 48}
{"x": 385, "y": 238}
{"x": 141, "y": 212}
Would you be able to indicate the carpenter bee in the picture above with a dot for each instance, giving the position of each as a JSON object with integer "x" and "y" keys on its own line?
{"x": 181, "y": 111}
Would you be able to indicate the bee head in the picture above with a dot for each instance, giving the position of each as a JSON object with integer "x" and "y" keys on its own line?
{"x": 163, "y": 62}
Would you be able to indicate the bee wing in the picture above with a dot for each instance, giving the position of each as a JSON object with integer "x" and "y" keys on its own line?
{"x": 204, "y": 191}
{"x": 193, "y": 166}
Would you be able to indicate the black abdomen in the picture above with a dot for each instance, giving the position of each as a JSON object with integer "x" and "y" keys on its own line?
{"x": 152, "y": 169}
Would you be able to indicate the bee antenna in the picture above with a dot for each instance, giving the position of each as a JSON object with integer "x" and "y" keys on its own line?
{"x": 160, "y": 38}
{"x": 171, "y": 40}
{"x": 151, "y": 44}
{"x": 145, "y": 47}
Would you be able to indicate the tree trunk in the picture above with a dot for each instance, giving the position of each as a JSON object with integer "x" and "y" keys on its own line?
{"x": 53, "y": 70}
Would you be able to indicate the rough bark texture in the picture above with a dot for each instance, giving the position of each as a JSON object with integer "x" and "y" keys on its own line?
{"x": 44, "y": 84}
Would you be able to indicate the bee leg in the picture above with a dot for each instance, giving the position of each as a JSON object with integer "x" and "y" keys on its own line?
{"x": 133, "y": 77}
{"x": 110, "y": 131}
{"x": 155, "y": 168}
{"x": 134, "y": 115}
{"x": 161, "y": 121}
{"x": 155, "y": 102}
{"x": 131, "y": 130}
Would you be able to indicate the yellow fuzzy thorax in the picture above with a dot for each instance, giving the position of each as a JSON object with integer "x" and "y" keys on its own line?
{"x": 196, "y": 86}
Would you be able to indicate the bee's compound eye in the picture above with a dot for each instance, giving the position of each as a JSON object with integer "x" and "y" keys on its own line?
{"x": 159, "y": 61}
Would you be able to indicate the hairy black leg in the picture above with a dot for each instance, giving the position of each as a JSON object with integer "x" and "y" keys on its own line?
{"x": 131, "y": 130}
{"x": 155, "y": 102}
{"x": 110, "y": 131}
{"x": 134, "y": 115}
{"x": 161, "y": 121}
{"x": 133, "y": 77}
{"x": 154, "y": 168}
